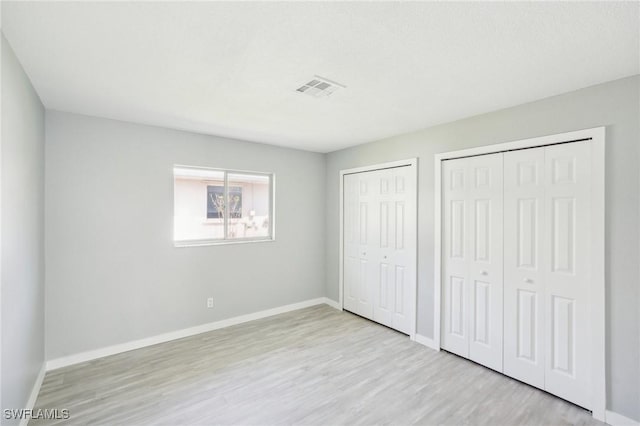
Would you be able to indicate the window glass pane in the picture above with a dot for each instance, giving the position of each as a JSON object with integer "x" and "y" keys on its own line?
{"x": 215, "y": 200}
{"x": 249, "y": 206}
{"x": 198, "y": 204}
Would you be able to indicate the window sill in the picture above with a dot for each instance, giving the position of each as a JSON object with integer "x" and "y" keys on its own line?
{"x": 200, "y": 243}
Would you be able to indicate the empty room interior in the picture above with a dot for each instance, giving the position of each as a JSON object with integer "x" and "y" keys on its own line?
{"x": 320, "y": 213}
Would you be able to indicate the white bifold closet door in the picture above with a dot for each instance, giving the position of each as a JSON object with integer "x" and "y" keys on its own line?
{"x": 523, "y": 310}
{"x": 472, "y": 249}
{"x": 547, "y": 270}
{"x": 380, "y": 246}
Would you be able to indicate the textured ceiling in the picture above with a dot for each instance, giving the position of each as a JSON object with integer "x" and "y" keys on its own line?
{"x": 231, "y": 69}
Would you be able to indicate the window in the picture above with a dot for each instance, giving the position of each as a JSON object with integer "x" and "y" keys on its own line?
{"x": 221, "y": 206}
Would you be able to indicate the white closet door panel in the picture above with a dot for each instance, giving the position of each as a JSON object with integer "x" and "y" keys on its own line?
{"x": 402, "y": 248}
{"x": 567, "y": 215}
{"x": 484, "y": 256}
{"x": 351, "y": 217}
{"x": 395, "y": 253}
{"x": 383, "y": 288}
{"x": 456, "y": 251}
{"x": 358, "y": 239}
{"x": 524, "y": 265}
{"x": 369, "y": 237}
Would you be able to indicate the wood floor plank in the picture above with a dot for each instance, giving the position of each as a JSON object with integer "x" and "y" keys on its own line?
{"x": 314, "y": 366}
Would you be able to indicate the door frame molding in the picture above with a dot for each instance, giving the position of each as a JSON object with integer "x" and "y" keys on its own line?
{"x": 597, "y": 255}
{"x": 413, "y": 164}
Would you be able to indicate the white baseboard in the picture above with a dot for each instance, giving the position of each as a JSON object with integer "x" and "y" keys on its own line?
{"x": 33, "y": 396}
{"x": 179, "y": 334}
{"x": 332, "y": 303}
{"x": 426, "y": 341}
{"x": 615, "y": 419}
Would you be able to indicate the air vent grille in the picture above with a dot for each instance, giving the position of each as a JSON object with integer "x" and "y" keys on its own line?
{"x": 319, "y": 87}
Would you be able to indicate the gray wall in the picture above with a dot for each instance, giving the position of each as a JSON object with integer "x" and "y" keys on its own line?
{"x": 614, "y": 105}
{"x": 22, "y": 189}
{"x": 113, "y": 274}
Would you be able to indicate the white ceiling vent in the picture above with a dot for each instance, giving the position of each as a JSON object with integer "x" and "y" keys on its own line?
{"x": 319, "y": 87}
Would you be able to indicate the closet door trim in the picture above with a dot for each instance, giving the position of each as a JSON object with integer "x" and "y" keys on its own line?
{"x": 596, "y": 136}
{"x": 412, "y": 163}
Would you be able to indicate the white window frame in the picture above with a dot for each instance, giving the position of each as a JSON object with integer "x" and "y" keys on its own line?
{"x": 223, "y": 241}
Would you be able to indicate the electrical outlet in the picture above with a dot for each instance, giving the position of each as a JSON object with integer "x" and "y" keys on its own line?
{"x": 210, "y": 302}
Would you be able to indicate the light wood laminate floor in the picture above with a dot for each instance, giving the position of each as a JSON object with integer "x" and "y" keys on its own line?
{"x": 311, "y": 366}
